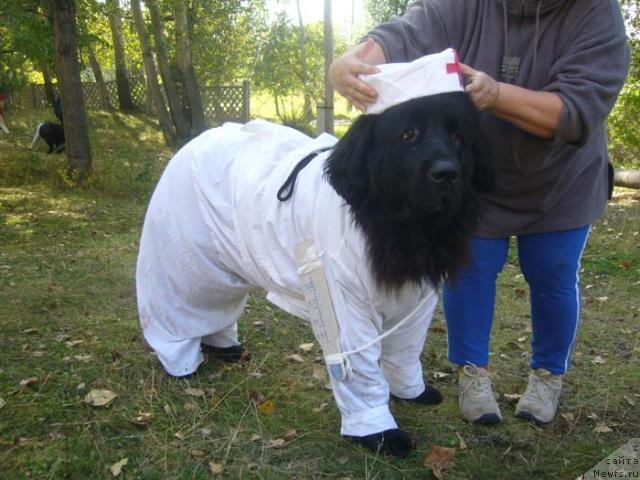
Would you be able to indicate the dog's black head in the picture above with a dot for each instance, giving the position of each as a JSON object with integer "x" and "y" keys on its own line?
{"x": 411, "y": 176}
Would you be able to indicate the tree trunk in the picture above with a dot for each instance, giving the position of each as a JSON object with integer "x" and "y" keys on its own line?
{"x": 102, "y": 88}
{"x": 627, "y": 178}
{"x": 175, "y": 105}
{"x": 48, "y": 85}
{"x": 152, "y": 76}
{"x": 122, "y": 79}
{"x": 185, "y": 64}
{"x": 308, "y": 114}
{"x": 75, "y": 118}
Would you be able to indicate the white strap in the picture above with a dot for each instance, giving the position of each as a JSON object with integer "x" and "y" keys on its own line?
{"x": 322, "y": 312}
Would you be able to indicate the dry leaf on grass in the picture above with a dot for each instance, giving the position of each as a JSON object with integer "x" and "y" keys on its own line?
{"x": 569, "y": 418}
{"x": 143, "y": 419}
{"x": 255, "y": 437}
{"x": 116, "y": 468}
{"x": 439, "y": 459}
{"x": 598, "y": 360}
{"x": 198, "y": 453}
{"x": 290, "y": 433}
{"x": 194, "y": 392}
{"x": 99, "y": 397}
{"x": 83, "y": 358}
{"x": 602, "y": 428}
{"x": 295, "y": 358}
{"x": 267, "y": 407}
{"x": 277, "y": 443}
{"x": 306, "y": 347}
{"x": 440, "y": 375}
{"x": 319, "y": 373}
{"x": 512, "y": 397}
{"x": 461, "y": 443}
{"x": 216, "y": 468}
{"x": 29, "y": 381}
{"x": 629, "y": 400}
{"x": 2, "y": 403}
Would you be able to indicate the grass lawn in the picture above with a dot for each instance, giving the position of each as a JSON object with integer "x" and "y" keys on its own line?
{"x": 69, "y": 325}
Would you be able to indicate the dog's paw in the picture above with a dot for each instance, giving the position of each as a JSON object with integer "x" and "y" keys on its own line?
{"x": 430, "y": 396}
{"x": 233, "y": 354}
{"x": 394, "y": 442}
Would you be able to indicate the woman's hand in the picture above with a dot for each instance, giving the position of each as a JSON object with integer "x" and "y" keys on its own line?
{"x": 344, "y": 71}
{"x": 482, "y": 89}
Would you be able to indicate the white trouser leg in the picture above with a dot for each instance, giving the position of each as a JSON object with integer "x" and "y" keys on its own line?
{"x": 401, "y": 353}
{"x": 225, "y": 338}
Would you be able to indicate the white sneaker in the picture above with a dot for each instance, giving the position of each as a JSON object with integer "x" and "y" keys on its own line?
{"x": 540, "y": 399}
{"x": 475, "y": 396}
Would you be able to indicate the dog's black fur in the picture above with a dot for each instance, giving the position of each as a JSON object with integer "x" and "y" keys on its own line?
{"x": 52, "y": 134}
{"x": 416, "y": 228}
{"x": 411, "y": 177}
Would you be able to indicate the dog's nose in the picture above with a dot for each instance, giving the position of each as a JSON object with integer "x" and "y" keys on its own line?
{"x": 444, "y": 171}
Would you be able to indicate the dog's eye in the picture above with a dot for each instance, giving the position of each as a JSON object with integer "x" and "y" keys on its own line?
{"x": 457, "y": 139}
{"x": 409, "y": 134}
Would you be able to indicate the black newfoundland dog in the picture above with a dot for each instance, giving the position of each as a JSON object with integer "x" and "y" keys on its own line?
{"x": 411, "y": 177}
{"x": 407, "y": 180}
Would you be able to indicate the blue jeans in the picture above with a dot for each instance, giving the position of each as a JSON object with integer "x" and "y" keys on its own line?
{"x": 550, "y": 263}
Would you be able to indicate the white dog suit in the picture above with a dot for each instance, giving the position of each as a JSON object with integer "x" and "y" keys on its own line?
{"x": 215, "y": 230}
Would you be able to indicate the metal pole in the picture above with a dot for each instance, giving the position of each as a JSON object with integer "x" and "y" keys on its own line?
{"x": 328, "y": 58}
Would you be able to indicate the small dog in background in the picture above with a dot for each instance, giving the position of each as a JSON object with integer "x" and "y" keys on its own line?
{"x": 52, "y": 134}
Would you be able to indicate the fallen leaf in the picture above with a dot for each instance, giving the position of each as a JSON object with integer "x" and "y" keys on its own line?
{"x": 461, "y": 443}
{"x": 629, "y": 400}
{"x": 593, "y": 416}
{"x": 190, "y": 407}
{"x": 81, "y": 386}
{"x": 258, "y": 323}
{"x": 82, "y": 358}
{"x": 2, "y": 403}
{"x": 512, "y": 397}
{"x": 99, "y": 397}
{"x": 306, "y": 347}
{"x": 143, "y": 419}
{"x": 167, "y": 409}
{"x": 30, "y": 330}
{"x": 295, "y": 358}
{"x": 257, "y": 397}
{"x": 319, "y": 373}
{"x": 343, "y": 459}
{"x": 598, "y": 360}
{"x": 116, "y": 468}
{"x": 321, "y": 407}
{"x": 267, "y": 407}
{"x": 255, "y": 437}
{"x": 569, "y": 418}
{"x": 73, "y": 343}
{"x": 216, "y": 468}
{"x": 626, "y": 264}
{"x": 28, "y": 381}
{"x": 290, "y": 433}
{"x": 439, "y": 459}
{"x": 521, "y": 339}
{"x": 198, "y": 453}
{"x": 520, "y": 292}
{"x": 440, "y": 375}
{"x": 194, "y": 392}
{"x": 602, "y": 299}
{"x": 277, "y": 443}
{"x": 205, "y": 432}
{"x": 602, "y": 428}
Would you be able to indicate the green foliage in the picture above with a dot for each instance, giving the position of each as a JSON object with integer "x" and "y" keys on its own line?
{"x": 381, "y": 11}
{"x": 624, "y": 135}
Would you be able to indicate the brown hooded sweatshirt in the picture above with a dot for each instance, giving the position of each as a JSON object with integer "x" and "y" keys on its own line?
{"x": 574, "y": 48}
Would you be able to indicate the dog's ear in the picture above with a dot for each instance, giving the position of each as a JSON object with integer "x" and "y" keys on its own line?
{"x": 484, "y": 171}
{"x": 346, "y": 168}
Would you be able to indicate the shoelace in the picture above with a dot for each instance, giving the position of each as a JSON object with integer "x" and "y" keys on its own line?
{"x": 540, "y": 388}
{"x": 479, "y": 386}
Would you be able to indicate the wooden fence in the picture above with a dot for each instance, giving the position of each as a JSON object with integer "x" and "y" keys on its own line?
{"x": 220, "y": 103}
